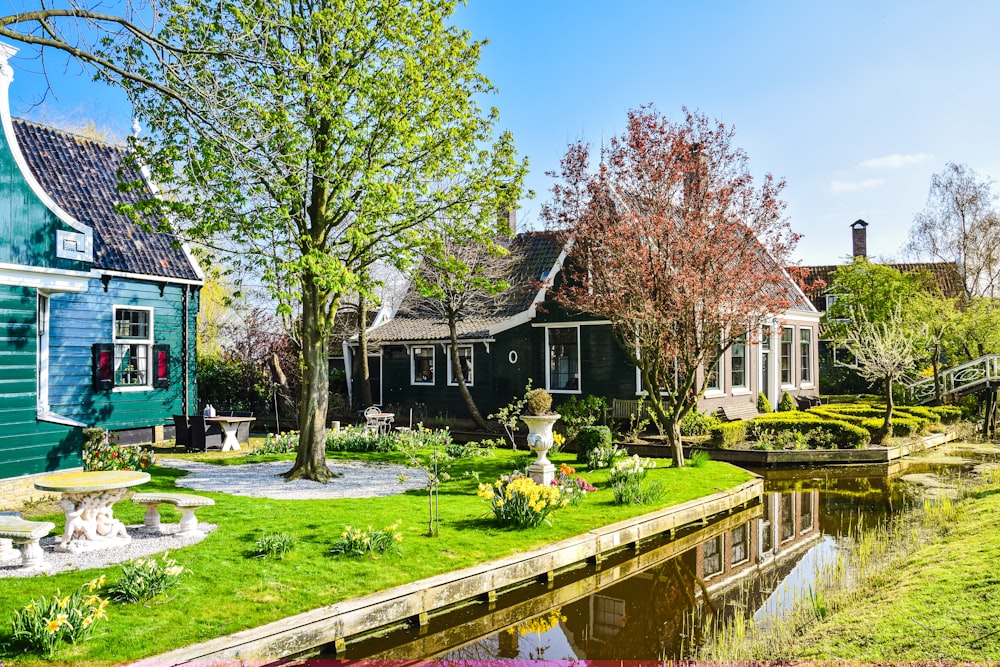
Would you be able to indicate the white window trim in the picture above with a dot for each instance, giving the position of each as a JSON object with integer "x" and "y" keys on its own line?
{"x": 791, "y": 359}
{"x": 812, "y": 513}
{"x": 746, "y": 542}
{"x": 472, "y": 363}
{"x": 43, "y": 328}
{"x": 807, "y": 384}
{"x": 413, "y": 367}
{"x": 719, "y": 539}
{"x": 740, "y": 389}
{"x": 720, "y": 391}
{"x": 548, "y": 364}
{"x": 149, "y": 341}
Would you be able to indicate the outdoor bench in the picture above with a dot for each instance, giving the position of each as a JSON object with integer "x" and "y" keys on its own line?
{"x": 733, "y": 413}
{"x": 187, "y": 503}
{"x": 25, "y": 534}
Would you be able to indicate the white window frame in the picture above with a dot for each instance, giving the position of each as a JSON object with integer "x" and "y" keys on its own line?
{"x": 470, "y": 382}
{"x": 719, "y": 390}
{"x": 146, "y": 342}
{"x": 768, "y": 524}
{"x": 801, "y": 525}
{"x": 548, "y": 361}
{"x": 720, "y": 554}
{"x": 806, "y": 361}
{"x": 745, "y": 543}
{"x": 413, "y": 365}
{"x": 791, "y": 358}
{"x": 744, "y": 388}
{"x": 42, "y": 327}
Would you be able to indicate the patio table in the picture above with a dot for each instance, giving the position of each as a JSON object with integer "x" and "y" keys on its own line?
{"x": 87, "y": 501}
{"x": 229, "y": 426}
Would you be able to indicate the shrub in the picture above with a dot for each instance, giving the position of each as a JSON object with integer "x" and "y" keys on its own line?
{"x": 467, "y": 450}
{"x": 145, "y": 578}
{"x": 920, "y": 412}
{"x": 574, "y": 489}
{"x": 627, "y": 482}
{"x": 698, "y": 423}
{"x": 100, "y": 452}
{"x": 604, "y": 456}
{"x": 274, "y": 545}
{"x": 537, "y": 402}
{"x": 787, "y": 403}
{"x": 578, "y": 412}
{"x": 517, "y": 500}
{"x": 949, "y": 414}
{"x": 763, "y": 405}
{"x": 360, "y": 439}
{"x": 842, "y": 433}
{"x": 358, "y": 542}
{"x": 768, "y": 439}
{"x": 44, "y": 624}
{"x": 728, "y": 434}
{"x": 589, "y": 438}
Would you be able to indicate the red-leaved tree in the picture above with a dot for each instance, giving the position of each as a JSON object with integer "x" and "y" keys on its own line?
{"x": 677, "y": 247}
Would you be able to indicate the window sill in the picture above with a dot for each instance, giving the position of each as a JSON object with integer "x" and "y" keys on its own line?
{"x": 422, "y": 384}
{"x": 788, "y": 386}
{"x": 53, "y": 418}
{"x": 455, "y": 384}
{"x": 564, "y": 391}
{"x": 714, "y": 393}
{"x": 741, "y": 391}
{"x": 807, "y": 385}
{"x": 125, "y": 390}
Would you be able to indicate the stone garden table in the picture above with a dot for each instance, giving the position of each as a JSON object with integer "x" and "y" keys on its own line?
{"x": 87, "y": 501}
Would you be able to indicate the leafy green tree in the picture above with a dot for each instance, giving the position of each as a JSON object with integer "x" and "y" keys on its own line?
{"x": 864, "y": 289}
{"x": 307, "y": 139}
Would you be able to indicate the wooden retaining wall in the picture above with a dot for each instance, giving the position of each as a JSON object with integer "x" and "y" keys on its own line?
{"x": 416, "y": 601}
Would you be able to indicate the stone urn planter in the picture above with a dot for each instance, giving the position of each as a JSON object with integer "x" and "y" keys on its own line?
{"x": 540, "y": 441}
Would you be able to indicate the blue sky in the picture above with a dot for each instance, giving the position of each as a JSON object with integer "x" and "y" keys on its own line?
{"x": 855, "y": 104}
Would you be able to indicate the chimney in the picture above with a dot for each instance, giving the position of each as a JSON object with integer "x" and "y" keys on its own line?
{"x": 859, "y": 238}
{"x": 508, "y": 215}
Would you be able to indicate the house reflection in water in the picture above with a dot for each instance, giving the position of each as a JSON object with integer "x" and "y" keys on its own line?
{"x": 661, "y": 613}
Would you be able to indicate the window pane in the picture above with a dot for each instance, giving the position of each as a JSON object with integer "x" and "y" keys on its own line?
{"x": 786, "y": 355}
{"x": 131, "y": 323}
{"x": 712, "y": 560}
{"x": 805, "y": 510}
{"x": 805, "y": 354}
{"x": 423, "y": 365}
{"x": 464, "y": 362}
{"x": 131, "y": 364}
{"x": 564, "y": 346}
{"x": 741, "y": 543}
{"x": 787, "y": 516}
{"x": 766, "y": 528}
{"x": 738, "y": 367}
{"x": 712, "y": 381}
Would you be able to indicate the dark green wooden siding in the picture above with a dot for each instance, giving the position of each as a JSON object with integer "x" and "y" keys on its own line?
{"x": 27, "y": 226}
{"x": 80, "y": 320}
{"x": 27, "y": 445}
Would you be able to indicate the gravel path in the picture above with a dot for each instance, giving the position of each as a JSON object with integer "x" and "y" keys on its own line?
{"x": 353, "y": 479}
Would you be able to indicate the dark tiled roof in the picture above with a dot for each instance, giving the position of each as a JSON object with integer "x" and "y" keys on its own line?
{"x": 533, "y": 255}
{"x": 945, "y": 274}
{"x": 81, "y": 175}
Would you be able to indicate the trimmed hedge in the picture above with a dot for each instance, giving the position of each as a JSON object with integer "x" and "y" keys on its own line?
{"x": 949, "y": 413}
{"x": 870, "y": 419}
{"x": 727, "y": 434}
{"x": 849, "y": 435}
{"x": 589, "y": 438}
{"x": 920, "y": 412}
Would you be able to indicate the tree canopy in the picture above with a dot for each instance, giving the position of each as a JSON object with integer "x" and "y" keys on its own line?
{"x": 677, "y": 246}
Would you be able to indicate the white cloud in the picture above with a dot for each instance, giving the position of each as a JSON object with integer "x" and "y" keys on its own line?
{"x": 895, "y": 161}
{"x": 839, "y": 187}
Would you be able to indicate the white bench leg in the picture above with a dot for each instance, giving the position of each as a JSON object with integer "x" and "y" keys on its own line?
{"x": 151, "y": 520}
{"x": 188, "y": 523}
{"x": 32, "y": 555}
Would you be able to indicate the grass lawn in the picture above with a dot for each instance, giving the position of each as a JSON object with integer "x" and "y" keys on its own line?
{"x": 229, "y": 590}
{"x": 941, "y": 602}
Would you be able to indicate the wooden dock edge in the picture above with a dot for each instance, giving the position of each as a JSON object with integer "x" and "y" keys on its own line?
{"x": 415, "y": 600}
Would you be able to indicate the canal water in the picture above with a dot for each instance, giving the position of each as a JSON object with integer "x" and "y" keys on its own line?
{"x": 659, "y": 603}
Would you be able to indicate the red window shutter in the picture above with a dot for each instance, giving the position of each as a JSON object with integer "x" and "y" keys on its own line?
{"x": 104, "y": 366}
{"x": 161, "y": 366}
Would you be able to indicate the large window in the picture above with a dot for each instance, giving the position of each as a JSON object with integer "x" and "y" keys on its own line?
{"x": 712, "y": 560}
{"x": 738, "y": 365}
{"x": 563, "y": 347}
{"x": 422, "y": 364}
{"x": 767, "y": 526}
{"x": 713, "y": 382}
{"x": 740, "y": 549}
{"x": 133, "y": 337}
{"x": 787, "y": 516}
{"x": 805, "y": 511}
{"x": 805, "y": 355}
{"x": 465, "y": 364}
{"x": 787, "y": 333}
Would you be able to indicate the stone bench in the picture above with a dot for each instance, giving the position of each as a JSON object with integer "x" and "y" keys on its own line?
{"x": 187, "y": 503}
{"x": 25, "y": 534}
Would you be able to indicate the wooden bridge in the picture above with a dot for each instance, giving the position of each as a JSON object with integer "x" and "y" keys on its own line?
{"x": 976, "y": 375}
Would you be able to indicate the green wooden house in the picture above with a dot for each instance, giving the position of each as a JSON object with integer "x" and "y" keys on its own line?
{"x": 530, "y": 336}
{"x": 97, "y": 316}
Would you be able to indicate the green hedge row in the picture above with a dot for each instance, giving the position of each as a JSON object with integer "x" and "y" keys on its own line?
{"x": 727, "y": 434}
{"x": 870, "y": 420}
{"x": 845, "y": 433}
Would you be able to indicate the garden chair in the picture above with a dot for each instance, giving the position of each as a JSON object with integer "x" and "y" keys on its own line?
{"x": 373, "y": 420}
{"x": 202, "y": 437}
{"x": 182, "y": 434}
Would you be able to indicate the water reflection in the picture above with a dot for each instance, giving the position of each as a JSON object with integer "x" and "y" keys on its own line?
{"x": 661, "y": 602}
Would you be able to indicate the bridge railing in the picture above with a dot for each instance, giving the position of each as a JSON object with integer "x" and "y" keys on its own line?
{"x": 959, "y": 379}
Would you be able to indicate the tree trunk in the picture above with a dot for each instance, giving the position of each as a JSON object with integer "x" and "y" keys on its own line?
{"x": 365, "y": 374}
{"x": 310, "y": 461}
{"x": 676, "y": 445}
{"x": 463, "y": 389}
{"x": 669, "y": 423}
{"x": 883, "y": 434}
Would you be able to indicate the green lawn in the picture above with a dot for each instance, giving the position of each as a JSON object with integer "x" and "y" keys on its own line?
{"x": 228, "y": 590}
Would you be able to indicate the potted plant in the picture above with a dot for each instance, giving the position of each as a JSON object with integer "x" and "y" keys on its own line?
{"x": 540, "y": 419}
